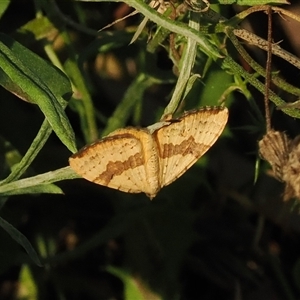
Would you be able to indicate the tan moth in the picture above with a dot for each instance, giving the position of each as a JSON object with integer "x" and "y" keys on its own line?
{"x": 136, "y": 160}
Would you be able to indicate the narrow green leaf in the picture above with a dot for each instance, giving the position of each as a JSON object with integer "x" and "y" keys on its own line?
{"x": 3, "y": 6}
{"x": 88, "y": 119}
{"x": 56, "y": 80}
{"x": 133, "y": 95}
{"x": 39, "y": 180}
{"x": 187, "y": 62}
{"x": 36, "y": 29}
{"x": 174, "y": 26}
{"x": 29, "y": 286}
{"x": 36, "y": 145}
{"x": 21, "y": 239}
{"x": 37, "y": 189}
{"x": 134, "y": 287}
{"x": 35, "y": 85}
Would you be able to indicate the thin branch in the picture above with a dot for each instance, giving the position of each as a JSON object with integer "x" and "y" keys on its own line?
{"x": 268, "y": 70}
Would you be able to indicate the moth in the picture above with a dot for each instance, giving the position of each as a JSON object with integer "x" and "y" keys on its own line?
{"x": 136, "y": 160}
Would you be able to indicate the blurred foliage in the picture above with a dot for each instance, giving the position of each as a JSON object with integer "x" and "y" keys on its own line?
{"x": 215, "y": 233}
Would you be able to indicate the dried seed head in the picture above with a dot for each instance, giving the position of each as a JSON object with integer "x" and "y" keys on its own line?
{"x": 274, "y": 148}
{"x": 291, "y": 171}
{"x": 283, "y": 155}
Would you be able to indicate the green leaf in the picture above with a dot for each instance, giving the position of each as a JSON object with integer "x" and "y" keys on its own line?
{"x": 32, "y": 79}
{"x": 36, "y": 145}
{"x": 134, "y": 287}
{"x": 3, "y": 6}
{"x": 30, "y": 288}
{"x": 21, "y": 239}
{"x": 39, "y": 183}
{"x": 36, "y": 29}
{"x": 133, "y": 95}
{"x": 174, "y": 26}
{"x": 37, "y": 189}
{"x": 56, "y": 80}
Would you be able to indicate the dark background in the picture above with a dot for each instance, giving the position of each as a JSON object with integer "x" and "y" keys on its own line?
{"x": 215, "y": 233}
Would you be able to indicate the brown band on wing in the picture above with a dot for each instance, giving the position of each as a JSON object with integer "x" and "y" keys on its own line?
{"x": 115, "y": 168}
{"x": 188, "y": 146}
